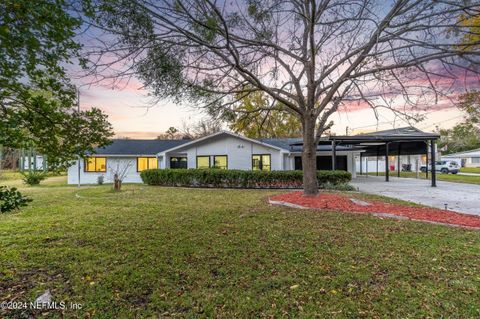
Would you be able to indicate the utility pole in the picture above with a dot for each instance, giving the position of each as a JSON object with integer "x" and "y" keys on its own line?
{"x": 346, "y": 130}
{"x": 78, "y": 156}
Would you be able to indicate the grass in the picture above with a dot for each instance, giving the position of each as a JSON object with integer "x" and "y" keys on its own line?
{"x": 475, "y": 170}
{"x": 198, "y": 253}
{"x": 440, "y": 176}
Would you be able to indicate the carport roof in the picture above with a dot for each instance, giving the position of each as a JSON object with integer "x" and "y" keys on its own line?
{"x": 408, "y": 133}
{"x": 295, "y": 144}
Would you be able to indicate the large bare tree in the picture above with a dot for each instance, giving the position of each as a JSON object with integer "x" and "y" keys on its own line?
{"x": 309, "y": 56}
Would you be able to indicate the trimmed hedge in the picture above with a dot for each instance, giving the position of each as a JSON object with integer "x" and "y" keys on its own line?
{"x": 238, "y": 178}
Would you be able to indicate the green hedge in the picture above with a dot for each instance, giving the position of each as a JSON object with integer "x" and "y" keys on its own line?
{"x": 238, "y": 178}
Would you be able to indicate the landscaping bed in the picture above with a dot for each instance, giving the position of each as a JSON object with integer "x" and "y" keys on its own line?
{"x": 348, "y": 203}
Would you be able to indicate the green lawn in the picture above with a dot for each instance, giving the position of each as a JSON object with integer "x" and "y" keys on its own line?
{"x": 198, "y": 253}
{"x": 440, "y": 176}
{"x": 475, "y": 170}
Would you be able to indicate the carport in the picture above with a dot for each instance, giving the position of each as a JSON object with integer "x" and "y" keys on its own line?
{"x": 396, "y": 142}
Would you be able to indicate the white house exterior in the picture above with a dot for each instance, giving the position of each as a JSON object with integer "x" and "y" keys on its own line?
{"x": 465, "y": 159}
{"x": 223, "y": 149}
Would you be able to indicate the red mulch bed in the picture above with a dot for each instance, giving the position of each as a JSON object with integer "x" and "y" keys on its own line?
{"x": 342, "y": 203}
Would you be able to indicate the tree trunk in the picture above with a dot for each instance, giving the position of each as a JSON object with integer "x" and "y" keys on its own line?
{"x": 309, "y": 158}
{"x": 117, "y": 183}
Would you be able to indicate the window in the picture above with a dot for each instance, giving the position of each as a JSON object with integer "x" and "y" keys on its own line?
{"x": 203, "y": 162}
{"x": 144, "y": 163}
{"x": 261, "y": 162}
{"x": 95, "y": 164}
{"x": 220, "y": 161}
{"x": 476, "y": 160}
{"x": 178, "y": 162}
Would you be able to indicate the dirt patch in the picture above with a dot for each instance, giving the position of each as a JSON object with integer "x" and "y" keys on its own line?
{"x": 344, "y": 203}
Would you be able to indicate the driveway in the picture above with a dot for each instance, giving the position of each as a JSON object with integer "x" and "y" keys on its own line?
{"x": 464, "y": 198}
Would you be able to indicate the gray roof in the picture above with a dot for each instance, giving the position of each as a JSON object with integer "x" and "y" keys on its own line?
{"x": 153, "y": 147}
{"x": 464, "y": 153}
{"x": 138, "y": 147}
{"x": 295, "y": 144}
{"x": 284, "y": 143}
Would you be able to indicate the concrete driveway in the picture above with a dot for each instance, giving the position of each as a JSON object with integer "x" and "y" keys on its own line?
{"x": 464, "y": 198}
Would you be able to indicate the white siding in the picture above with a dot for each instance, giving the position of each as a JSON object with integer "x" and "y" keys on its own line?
{"x": 239, "y": 152}
{"x": 132, "y": 176}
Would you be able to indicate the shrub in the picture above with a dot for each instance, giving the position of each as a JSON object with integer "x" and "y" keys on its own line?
{"x": 100, "y": 180}
{"x": 33, "y": 178}
{"x": 238, "y": 178}
{"x": 11, "y": 199}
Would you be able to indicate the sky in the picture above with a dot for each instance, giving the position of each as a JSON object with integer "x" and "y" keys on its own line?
{"x": 131, "y": 114}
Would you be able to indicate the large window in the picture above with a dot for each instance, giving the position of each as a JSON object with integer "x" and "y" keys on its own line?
{"x": 220, "y": 161}
{"x": 476, "y": 160}
{"x": 178, "y": 162}
{"x": 203, "y": 162}
{"x": 144, "y": 163}
{"x": 261, "y": 162}
{"x": 95, "y": 164}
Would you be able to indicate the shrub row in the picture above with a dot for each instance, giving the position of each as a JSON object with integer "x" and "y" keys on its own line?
{"x": 238, "y": 178}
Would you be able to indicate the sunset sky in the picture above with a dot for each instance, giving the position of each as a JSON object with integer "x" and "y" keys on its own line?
{"x": 132, "y": 116}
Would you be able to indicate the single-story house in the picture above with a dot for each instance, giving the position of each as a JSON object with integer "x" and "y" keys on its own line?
{"x": 227, "y": 150}
{"x": 223, "y": 150}
{"x": 465, "y": 159}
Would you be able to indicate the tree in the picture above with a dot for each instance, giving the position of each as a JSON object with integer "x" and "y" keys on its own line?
{"x": 254, "y": 118}
{"x": 312, "y": 56}
{"x": 462, "y": 137}
{"x": 37, "y": 98}
{"x": 61, "y": 134}
{"x": 201, "y": 128}
{"x": 119, "y": 172}
{"x": 470, "y": 103}
{"x": 171, "y": 134}
{"x": 471, "y": 39}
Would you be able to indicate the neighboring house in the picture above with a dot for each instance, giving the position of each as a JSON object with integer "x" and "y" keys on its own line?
{"x": 223, "y": 150}
{"x": 33, "y": 163}
{"x": 465, "y": 159}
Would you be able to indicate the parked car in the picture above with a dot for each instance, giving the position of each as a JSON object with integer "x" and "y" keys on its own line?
{"x": 443, "y": 166}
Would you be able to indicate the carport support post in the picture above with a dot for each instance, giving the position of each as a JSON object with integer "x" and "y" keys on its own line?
{"x": 398, "y": 159}
{"x": 426, "y": 162}
{"x": 378, "y": 155}
{"x": 361, "y": 164}
{"x": 387, "y": 169}
{"x": 434, "y": 171}
{"x": 334, "y": 155}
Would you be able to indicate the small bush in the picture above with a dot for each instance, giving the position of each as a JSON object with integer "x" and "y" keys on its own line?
{"x": 33, "y": 178}
{"x": 100, "y": 180}
{"x": 238, "y": 178}
{"x": 11, "y": 199}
